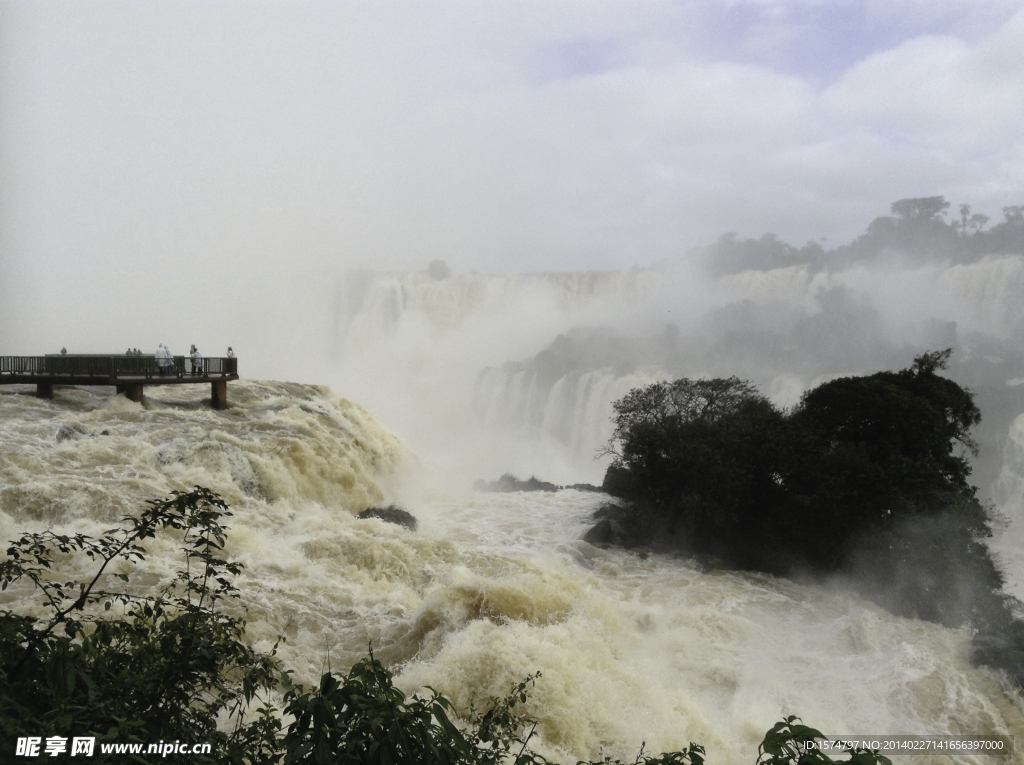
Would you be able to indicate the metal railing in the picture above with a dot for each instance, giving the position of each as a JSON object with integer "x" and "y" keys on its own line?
{"x": 81, "y": 365}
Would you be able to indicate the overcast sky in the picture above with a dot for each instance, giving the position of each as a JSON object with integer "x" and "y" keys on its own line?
{"x": 142, "y": 141}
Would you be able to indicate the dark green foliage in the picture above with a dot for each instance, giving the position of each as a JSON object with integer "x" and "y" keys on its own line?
{"x": 880, "y": 480}
{"x": 703, "y": 456}
{"x": 163, "y": 669}
{"x": 867, "y": 454}
{"x": 766, "y": 489}
{"x": 791, "y": 743}
{"x": 867, "y": 476}
{"x": 365, "y": 719}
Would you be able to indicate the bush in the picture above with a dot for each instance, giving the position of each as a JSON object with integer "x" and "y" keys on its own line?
{"x": 164, "y": 670}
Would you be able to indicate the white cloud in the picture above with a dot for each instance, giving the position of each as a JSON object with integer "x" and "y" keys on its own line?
{"x": 941, "y": 90}
{"x": 207, "y": 139}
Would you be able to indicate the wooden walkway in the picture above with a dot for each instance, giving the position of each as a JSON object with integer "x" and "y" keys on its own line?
{"x": 129, "y": 374}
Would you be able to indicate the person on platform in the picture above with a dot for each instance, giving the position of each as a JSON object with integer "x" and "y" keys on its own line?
{"x": 231, "y": 353}
{"x": 197, "y": 361}
{"x": 63, "y": 351}
{"x": 163, "y": 359}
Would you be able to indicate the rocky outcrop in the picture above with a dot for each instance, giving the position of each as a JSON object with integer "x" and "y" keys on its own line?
{"x": 392, "y": 514}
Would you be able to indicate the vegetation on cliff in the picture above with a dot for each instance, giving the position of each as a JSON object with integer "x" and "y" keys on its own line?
{"x": 920, "y": 229}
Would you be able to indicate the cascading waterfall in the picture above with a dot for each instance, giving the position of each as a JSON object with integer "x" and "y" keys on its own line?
{"x": 370, "y": 307}
{"x": 575, "y": 410}
{"x": 1008, "y": 496}
{"x": 983, "y": 296}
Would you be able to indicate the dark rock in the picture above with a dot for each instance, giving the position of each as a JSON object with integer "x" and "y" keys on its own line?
{"x": 71, "y": 432}
{"x": 624, "y": 526}
{"x": 509, "y": 482}
{"x": 391, "y": 514}
{"x": 601, "y": 534}
{"x": 606, "y": 511}
{"x": 584, "y": 487}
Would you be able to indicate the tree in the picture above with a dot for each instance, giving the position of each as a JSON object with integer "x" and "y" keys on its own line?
{"x": 978, "y": 222}
{"x": 919, "y": 209}
{"x": 915, "y": 227}
{"x": 975, "y": 222}
{"x": 965, "y": 216}
{"x": 1014, "y": 214}
{"x": 887, "y": 444}
{"x": 702, "y": 456}
{"x": 1007, "y": 236}
{"x": 731, "y": 255}
{"x": 867, "y": 475}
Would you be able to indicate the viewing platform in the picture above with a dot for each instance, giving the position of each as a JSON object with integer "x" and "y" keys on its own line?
{"x": 129, "y": 374}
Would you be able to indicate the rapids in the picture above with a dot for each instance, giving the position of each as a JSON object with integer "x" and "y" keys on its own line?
{"x": 491, "y": 588}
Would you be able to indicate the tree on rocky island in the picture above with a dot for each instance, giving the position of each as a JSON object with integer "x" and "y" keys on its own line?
{"x": 867, "y": 476}
{"x": 700, "y": 458}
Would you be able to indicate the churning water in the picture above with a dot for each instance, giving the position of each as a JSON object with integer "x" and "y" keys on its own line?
{"x": 491, "y": 588}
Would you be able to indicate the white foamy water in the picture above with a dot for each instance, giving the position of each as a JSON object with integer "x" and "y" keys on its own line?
{"x": 491, "y": 588}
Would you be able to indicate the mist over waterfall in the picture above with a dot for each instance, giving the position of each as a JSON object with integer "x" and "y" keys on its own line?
{"x": 534, "y": 361}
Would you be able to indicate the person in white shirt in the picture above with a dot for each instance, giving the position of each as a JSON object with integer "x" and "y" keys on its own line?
{"x": 163, "y": 359}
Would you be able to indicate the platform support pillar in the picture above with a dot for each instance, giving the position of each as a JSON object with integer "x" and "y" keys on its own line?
{"x": 44, "y": 390}
{"x": 219, "y": 394}
{"x": 131, "y": 392}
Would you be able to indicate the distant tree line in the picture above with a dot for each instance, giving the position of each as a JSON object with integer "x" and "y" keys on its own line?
{"x": 866, "y": 476}
{"x": 921, "y": 229}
